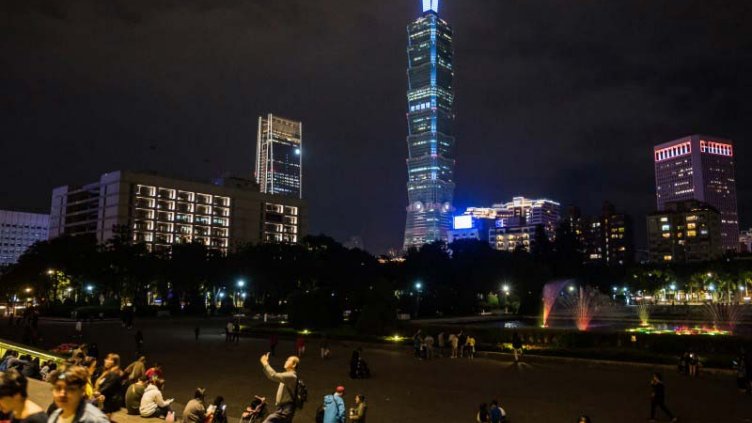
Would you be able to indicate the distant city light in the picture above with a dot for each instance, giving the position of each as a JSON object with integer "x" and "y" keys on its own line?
{"x": 431, "y": 5}
{"x": 463, "y": 222}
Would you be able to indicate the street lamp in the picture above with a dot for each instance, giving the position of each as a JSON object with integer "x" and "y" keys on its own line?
{"x": 90, "y": 288}
{"x": 418, "y": 289}
{"x": 505, "y": 288}
{"x": 241, "y": 283}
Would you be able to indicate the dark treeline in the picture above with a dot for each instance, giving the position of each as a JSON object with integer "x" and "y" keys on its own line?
{"x": 319, "y": 279}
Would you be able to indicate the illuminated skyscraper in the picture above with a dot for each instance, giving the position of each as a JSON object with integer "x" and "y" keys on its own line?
{"x": 279, "y": 163}
{"x": 430, "y": 101}
{"x": 700, "y": 167}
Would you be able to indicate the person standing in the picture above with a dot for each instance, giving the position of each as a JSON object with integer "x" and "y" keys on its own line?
{"x": 462, "y": 338}
{"x": 68, "y": 395}
{"x": 658, "y": 397}
{"x": 14, "y": 399}
{"x": 228, "y": 331}
{"x": 273, "y": 341}
{"x": 417, "y": 343}
{"x": 454, "y": 341}
{"x": 334, "y": 406}
{"x": 79, "y": 330}
{"x": 358, "y": 413}
{"x": 288, "y": 381}
{"x": 441, "y": 342}
{"x": 483, "y": 416}
{"x": 428, "y": 340}
{"x": 517, "y": 347}
{"x": 470, "y": 346}
{"x": 300, "y": 345}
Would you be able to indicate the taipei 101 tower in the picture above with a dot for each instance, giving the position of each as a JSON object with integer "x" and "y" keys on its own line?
{"x": 430, "y": 117}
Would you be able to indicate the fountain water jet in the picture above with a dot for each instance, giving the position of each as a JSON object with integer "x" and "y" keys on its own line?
{"x": 724, "y": 315}
{"x": 551, "y": 293}
{"x": 584, "y": 305}
{"x": 643, "y": 312}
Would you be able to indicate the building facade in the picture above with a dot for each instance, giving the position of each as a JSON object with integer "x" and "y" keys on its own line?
{"x": 686, "y": 231}
{"x": 18, "y": 231}
{"x": 160, "y": 211}
{"x": 279, "y": 156}
{"x": 702, "y": 168}
{"x": 606, "y": 239}
{"x": 430, "y": 118}
{"x": 745, "y": 241}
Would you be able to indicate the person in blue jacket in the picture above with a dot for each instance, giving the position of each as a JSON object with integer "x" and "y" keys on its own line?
{"x": 334, "y": 407}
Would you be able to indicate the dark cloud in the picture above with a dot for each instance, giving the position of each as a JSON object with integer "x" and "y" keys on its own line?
{"x": 554, "y": 98}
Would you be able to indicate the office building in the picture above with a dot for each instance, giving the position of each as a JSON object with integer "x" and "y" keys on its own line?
{"x": 430, "y": 117}
{"x": 523, "y": 211}
{"x": 700, "y": 167}
{"x": 745, "y": 241}
{"x": 18, "y": 231}
{"x": 161, "y": 211}
{"x": 606, "y": 239}
{"x": 513, "y": 238}
{"x": 279, "y": 156}
{"x": 686, "y": 231}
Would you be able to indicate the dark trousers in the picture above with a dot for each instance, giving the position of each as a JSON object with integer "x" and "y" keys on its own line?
{"x": 284, "y": 414}
{"x": 659, "y": 404}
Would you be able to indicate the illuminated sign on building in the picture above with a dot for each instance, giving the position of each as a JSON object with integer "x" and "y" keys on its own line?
{"x": 718, "y": 148}
{"x": 463, "y": 222}
{"x": 673, "y": 151}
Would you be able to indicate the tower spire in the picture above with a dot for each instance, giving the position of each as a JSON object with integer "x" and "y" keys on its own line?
{"x": 431, "y": 6}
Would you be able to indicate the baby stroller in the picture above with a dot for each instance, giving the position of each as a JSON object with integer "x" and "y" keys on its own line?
{"x": 254, "y": 412}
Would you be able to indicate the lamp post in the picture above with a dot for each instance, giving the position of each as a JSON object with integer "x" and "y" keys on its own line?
{"x": 505, "y": 289}
{"x": 418, "y": 290}
{"x": 240, "y": 284}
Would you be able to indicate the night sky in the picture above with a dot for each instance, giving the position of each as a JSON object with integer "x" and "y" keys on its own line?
{"x": 559, "y": 99}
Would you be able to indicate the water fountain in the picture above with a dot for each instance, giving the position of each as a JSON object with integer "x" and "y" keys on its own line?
{"x": 551, "y": 293}
{"x": 724, "y": 315}
{"x": 583, "y": 305}
{"x": 643, "y": 312}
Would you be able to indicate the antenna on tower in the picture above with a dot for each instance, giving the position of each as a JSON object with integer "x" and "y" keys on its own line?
{"x": 431, "y": 6}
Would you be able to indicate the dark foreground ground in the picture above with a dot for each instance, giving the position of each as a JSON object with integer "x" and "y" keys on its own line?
{"x": 403, "y": 389}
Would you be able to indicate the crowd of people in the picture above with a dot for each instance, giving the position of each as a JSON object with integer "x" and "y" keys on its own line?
{"x": 85, "y": 391}
{"x": 455, "y": 345}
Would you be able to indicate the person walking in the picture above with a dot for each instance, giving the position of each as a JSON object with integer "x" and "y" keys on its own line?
{"x": 496, "y": 413}
{"x": 334, "y": 406}
{"x": 195, "y": 411}
{"x": 68, "y": 395}
{"x": 358, "y": 413}
{"x": 658, "y": 397}
{"x": 236, "y": 331}
{"x": 14, "y": 398}
{"x": 470, "y": 347}
{"x": 139, "y": 338}
{"x": 286, "y": 391}
{"x": 517, "y": 347}
{"x": 324, "y": 347}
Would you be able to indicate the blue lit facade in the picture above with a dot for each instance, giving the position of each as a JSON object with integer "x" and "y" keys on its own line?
{"x": 430, "y": 117}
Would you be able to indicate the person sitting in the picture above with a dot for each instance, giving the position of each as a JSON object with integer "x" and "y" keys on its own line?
{"x": 109, "y": 388}
{"x": 194, "y": 411}
{"x": 155, "y": 372}
{"x": 133, "y": 396}
{"x": 68, "y": 394}
{"x": 217, "y": 410}
{"x": 152, "y": 403}
{"x": 14, "y": 399}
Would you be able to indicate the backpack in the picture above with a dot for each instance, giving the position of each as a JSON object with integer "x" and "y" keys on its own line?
{"x": 300, "y": 396}
{"x": 320, "y": 414}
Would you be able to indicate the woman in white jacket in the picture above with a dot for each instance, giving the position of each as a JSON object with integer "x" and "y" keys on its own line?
{"x": 152, "y": 403}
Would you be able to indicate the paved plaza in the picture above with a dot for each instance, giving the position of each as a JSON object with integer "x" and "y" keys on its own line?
{"x": 403, "y": 389}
